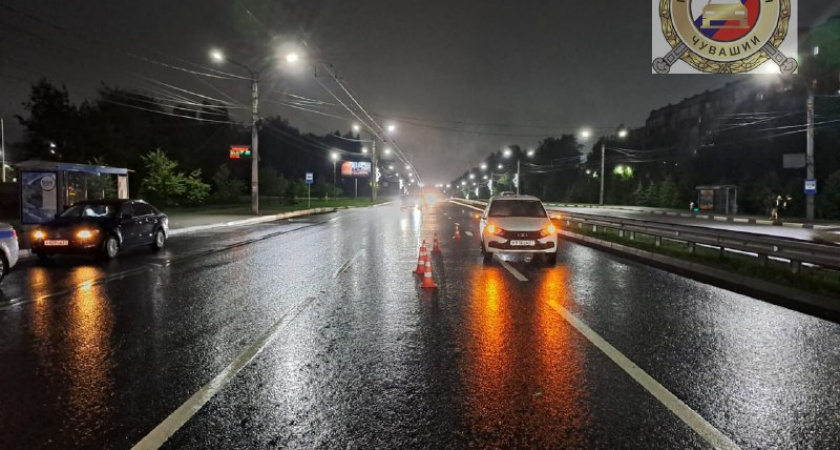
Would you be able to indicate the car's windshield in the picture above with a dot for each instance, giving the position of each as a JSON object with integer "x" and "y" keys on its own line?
{"x": 90, "y": 210}
{"x": 517, "y": 208}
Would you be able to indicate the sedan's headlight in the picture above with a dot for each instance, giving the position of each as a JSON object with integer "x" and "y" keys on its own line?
{"x": 86, "y": 234}
{"x": 39, "y": 235}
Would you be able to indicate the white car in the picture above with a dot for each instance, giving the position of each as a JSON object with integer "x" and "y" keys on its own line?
{"x": 517, "y": 224}
{"x": 9, "y": 247}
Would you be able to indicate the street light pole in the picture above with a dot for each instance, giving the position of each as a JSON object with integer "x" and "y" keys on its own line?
{"x": 255, "y": 142}
{"x": 809, "y": 154}
{"x": 3, "y": 147}
{"x": 603, "y": 167}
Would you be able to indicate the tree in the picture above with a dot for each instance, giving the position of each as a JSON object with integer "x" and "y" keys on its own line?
{"x": 668, "y": 194}
{"x": 651, "y": 194}
{"x": 227, "y": 188}
{"x": 166, "y": 186}
{"x": 272, "y": 184}
{"x": 640, "y": 197}
{"x": 830, "y": 197}
{"x": 52, "y": 120}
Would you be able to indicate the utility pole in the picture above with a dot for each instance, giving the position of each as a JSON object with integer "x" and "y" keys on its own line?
{"x": 809, "y": 154}
{"x": 255, "y": 142}
{"x": 603, "y": 166}
{"x": 374, "y": 185}
{"x": 3, "y": 147}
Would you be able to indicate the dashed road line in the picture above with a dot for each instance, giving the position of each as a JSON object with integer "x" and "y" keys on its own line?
{"x": 344, "y": 267}
{"x": 161, "y": 433}
{"x": 517, "y": 274}
{"x": 690, "y": 417}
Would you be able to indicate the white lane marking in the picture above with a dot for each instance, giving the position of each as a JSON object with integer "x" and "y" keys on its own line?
{"x": 161, "y": 433}
{"x": 347, "y": 265}
{"x": 468, "y": 233}
{"x": 518, "y": 275}
{"x": 690, "y": 417}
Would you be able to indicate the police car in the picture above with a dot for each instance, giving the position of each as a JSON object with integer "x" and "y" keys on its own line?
{"x": 9, "y": 247}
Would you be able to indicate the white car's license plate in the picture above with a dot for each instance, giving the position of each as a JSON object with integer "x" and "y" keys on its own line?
{"x": 56, "y": 243}
{"x": 522, "y": 243}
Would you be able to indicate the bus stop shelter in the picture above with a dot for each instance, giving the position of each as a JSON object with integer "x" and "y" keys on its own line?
{"x": 719, "y": 198}
{"x": 47, "y": 187}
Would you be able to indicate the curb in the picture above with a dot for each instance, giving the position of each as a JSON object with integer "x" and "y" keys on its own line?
{"x": 786, "y": 296}
{"x": 255, "y": 220}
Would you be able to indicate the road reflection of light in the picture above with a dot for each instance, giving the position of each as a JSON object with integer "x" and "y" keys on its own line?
{"x": 73, "y": 343}
{"x": 525, "y": 369}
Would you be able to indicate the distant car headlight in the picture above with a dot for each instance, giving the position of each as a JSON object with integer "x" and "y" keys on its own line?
{"x": 39, "y": 235}
{"x": 549, "y": 230}
{"x": 85, "y": 234}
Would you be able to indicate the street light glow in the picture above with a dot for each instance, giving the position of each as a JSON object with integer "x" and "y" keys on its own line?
{"x": 531, "y": 153}
{"x": 217, "y": 55}
{"x": 501, "y": 167}
{"x": 485, "y": 177}
{"x": 507, "y": 153}
{"x": 335, "y": 156}
{"x": 356, "y": 127}
{"x": 364, "y": 150}
{"x": 483, "y": 166}
{"x": 391, "y": 167}
{"x": 585, "y": 134}
{"x": 622, "y": 133}
{"x": 472, "y": 176}
{"x": 392, "y": 128}
{"x": 292, "y": 58}
{"x": 387, "y": 151}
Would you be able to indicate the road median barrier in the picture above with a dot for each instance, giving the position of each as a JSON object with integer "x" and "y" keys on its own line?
{"x": 251, "y": 221}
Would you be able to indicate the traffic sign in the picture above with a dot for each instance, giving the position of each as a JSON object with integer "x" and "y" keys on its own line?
{"x": 310, "y": 178}
{"x": 810, "y": 187}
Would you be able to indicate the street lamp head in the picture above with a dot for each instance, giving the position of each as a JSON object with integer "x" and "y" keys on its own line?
{"x": 484, "y": 167}
{"x": 292, "y": 58}
{"x": 622, "y": 133}
{"x": 387, "y": 151}
{"x": 531, "y": 153}
{"x": 334, "y": 156}
{"x": 217, "y": 55}
{"x": 364, "y": 150}
{"x": 585, "y": 134}
{"x": 391, "y": 128}
{"x": 356, "y": 127}
{"x": 485, "y": 177}
{"x": 507, "y": 153}
{"x": 501, "y": 167}
{"x": 407, "y": 167}
{"x": 52, "y": 145}
{"x": 391, "y": 167}
{"x": 472, "y": 176}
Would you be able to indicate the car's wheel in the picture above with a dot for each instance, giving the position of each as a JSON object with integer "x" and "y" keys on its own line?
{"x": 110, "y": 248}
{"x": 160, "y": 240}
{"x": 551, "y": 258}
{"x": 4, "y": 267}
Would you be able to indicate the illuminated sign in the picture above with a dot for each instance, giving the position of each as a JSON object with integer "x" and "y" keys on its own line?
{"x": 240, "y": 151}
{"x": 355, "y": 169}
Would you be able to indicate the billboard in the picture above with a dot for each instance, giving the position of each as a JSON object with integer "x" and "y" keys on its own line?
{"x": 39, "y": 197}
{"x": 240, "y": 152}
{"x": 355, "y": 169}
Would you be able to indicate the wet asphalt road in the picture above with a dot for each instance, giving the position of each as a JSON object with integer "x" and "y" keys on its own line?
{"x": 335, "y": 346}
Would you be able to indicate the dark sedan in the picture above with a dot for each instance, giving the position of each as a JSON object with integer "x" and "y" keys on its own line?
{"x": 102, "y": 227}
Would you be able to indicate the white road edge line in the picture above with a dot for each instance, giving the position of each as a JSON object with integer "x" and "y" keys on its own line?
{"x": 690, "y": 417}
{"x": 166, "y": 429}
{"x": 511, "y": 269}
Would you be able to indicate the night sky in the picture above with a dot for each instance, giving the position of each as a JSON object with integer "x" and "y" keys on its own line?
{"x": 460, "y": 78}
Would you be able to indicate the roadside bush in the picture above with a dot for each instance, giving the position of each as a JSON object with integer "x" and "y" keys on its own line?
{"x": 166, "y": 186}
{"x": 830, "y": 198}
{"x": 226, "y": 188}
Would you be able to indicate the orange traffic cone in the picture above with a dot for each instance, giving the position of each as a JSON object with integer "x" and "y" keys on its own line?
{"x": 457, "y": 236}
{"x": 436, "y": 248}
{"x": 428, "y": 282}
{"x": 422, "y": 260}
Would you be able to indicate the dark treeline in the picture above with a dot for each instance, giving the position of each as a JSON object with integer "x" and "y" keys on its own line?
{"x": 119, "y": 127}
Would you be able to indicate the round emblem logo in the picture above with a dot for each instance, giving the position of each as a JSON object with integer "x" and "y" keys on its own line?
{"x": 725, "y": 36}
{"x": 48, "y": 183}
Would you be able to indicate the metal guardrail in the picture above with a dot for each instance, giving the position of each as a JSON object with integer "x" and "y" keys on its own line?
{"x": 796, "y": 251}
{"x": 763, "y": 246}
